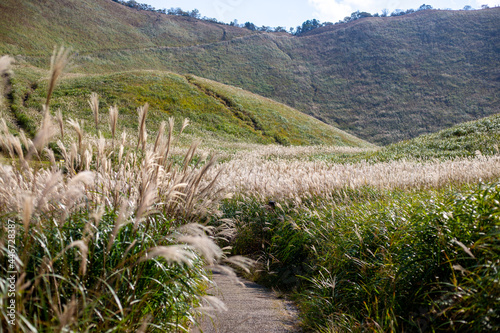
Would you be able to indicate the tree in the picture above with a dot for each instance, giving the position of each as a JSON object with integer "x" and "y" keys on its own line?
{"x": 250, "y": 26}
{"x": 425, "y": 7}
{"x": 308, "y": 26}
{"x": 265, "y": 28}
{"x": 385, "y": 12}
{"x": 195, "y": 13}
{"x": 467, "y": 7}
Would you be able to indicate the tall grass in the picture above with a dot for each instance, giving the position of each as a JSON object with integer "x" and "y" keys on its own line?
{"x": 106, "y": 237}
{"x": 271, "y": 173}
{"x": 403, "y": 245}
{"x": 383, "y": 261}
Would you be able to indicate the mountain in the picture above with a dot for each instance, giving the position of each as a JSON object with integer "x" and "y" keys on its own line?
{"x": 215, "y": 110}
{"x": 381, "y": 79}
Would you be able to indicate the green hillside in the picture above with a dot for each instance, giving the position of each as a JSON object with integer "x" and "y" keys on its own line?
{"x": 215, "y": 110}
{"x": 464, "y": 140}
{"x": 381, "y": 79}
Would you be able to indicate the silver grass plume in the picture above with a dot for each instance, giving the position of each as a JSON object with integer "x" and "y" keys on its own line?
{"x": 94, "y": 106}
{"x": 60, "y": 59}
{"x": 113, "y": 120}
{"x": 142, "y": 112}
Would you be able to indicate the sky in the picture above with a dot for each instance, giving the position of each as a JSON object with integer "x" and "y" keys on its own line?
{"x": 291, "y": 13}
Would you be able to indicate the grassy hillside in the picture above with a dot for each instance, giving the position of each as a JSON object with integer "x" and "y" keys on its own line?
{"x": 474, "y": 138}
{"x": 480, "y": 137}
{"x": 31, "y": 28}
{"x": 215, "y": 110}
{"x": 382, "y": 79}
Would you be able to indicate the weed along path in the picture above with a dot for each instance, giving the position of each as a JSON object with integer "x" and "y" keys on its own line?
{"x": 250, "y": 308}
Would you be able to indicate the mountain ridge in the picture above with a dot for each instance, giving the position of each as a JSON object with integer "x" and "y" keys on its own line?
{"x": 381, "y": 79}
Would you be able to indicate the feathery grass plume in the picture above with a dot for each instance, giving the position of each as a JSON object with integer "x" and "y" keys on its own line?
{"x": 146, "y": 201}
{"x": 60, "y": 59}
{"x": 44, "y": 134}
{"x": 241, "y": 262}
{"x": 185, "y": 124}
{"x": 73, "y": 158}
{"x": 67, "y": 315}
{"x": 101, "y": 146}
{"x": 206, "y": 246}
{"x": 84, "y": 250}
{"x": 16, "y": 143}
{"x": 64, "y": 152}
{"x": 76, "y": 126}
{"x": 51, "y": 156}
{"x": 172, "y": 254}
{"x": 210, "y": 303}
{"x": 142, "y": 112}
{"x": 27, "y": 211}
{"x": 5, "y": 63}
{"x": 94, "y": 106}
{"x": 60, "y": 121}
{"x": 190, "y": 154}
{"x": 50, "y": 188}
{"x": 24, "y": 140}
{"x": 113, "y": 121}
{"x": 87, "y": 156}
{"x": 124, "y": 138}
{"x": 161, "y": 131}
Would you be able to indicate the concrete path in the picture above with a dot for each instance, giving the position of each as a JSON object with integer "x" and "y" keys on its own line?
{"x": 251, "y": 308}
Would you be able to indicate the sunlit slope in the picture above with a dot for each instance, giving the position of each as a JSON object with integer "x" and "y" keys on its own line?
{"x": 479, "y": 137}
{"x": 283, "y": 123}
{"x": 215, "y": 110}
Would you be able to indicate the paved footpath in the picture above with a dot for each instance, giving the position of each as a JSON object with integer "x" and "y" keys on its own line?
{"x": 251, "y": 308}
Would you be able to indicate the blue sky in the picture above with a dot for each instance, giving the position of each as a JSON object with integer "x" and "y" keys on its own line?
{"x": 291, "y": 13}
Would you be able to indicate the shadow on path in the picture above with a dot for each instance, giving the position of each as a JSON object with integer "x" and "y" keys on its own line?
{"x": 250, "y": 308}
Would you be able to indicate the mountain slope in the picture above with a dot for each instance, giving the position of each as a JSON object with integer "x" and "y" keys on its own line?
{"x": 33, "y": 27}
{"x": 215, "y": 110}
{"x": 382, "y": 79}
{"x": 463, "y": 140}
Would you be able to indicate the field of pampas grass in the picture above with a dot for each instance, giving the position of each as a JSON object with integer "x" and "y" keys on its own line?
{"x": 112, "y": 231}
{"x": 100, "y": 234}
{"x": 271, "y": 173}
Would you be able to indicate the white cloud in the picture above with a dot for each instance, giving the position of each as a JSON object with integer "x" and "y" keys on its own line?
{"x": 335, "y": 10}
{"x": 490, "y": 3}
{"x": 330, "y": 10}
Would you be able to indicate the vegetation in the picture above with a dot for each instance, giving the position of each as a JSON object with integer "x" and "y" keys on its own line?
{"x": 381, "y": 260}
{"x": 408, "y": 244}
{"x": 115, "y": 217}
{"x": 215, "y": 110}
{"x": 466, "y": 140}
{"x": 105, "y": 239}
{"x": 383, "y": 79}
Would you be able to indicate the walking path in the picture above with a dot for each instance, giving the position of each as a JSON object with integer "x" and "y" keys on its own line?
{"x": 251, "y": 308}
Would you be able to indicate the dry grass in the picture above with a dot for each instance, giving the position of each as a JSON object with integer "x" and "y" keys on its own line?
{"x": 94, "y": 201}
{"x": 5, "y": 63}
{"x": 256, "y": 174}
